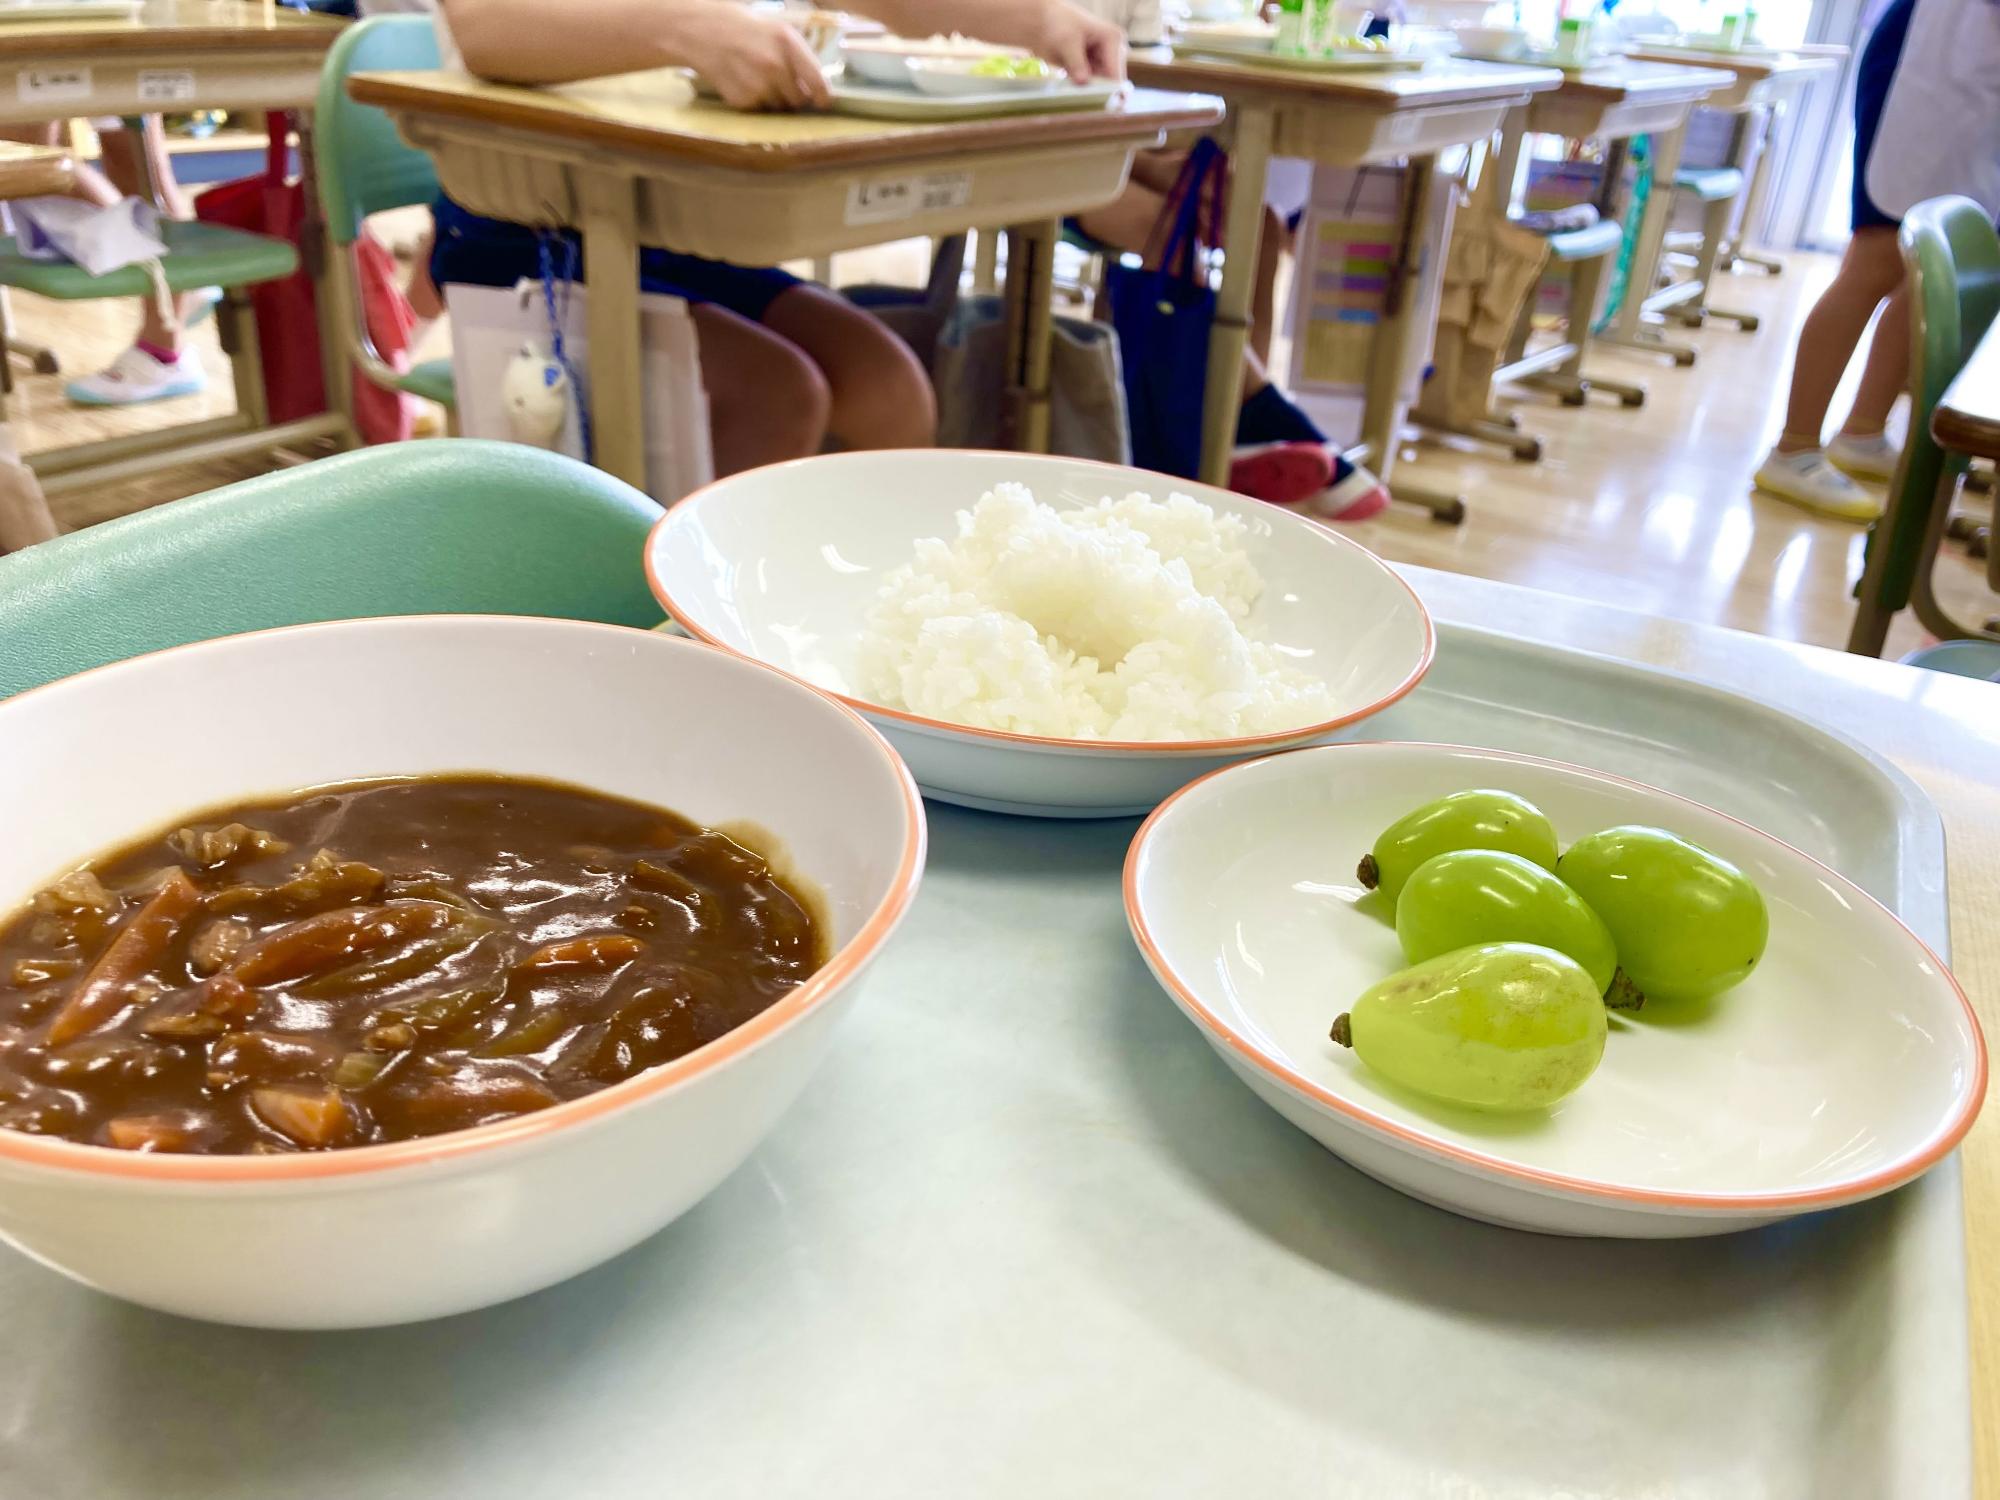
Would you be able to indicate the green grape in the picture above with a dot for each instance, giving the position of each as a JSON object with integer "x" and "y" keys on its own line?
{"x": 1499, "y": 1026}
{"x": 1687, "y": 925}
{"x": 1465, "y": 820}
{"x": 1485, "y": 896}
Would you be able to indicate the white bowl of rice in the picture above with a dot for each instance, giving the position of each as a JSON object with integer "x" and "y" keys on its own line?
{"x": 1043, "y": 636}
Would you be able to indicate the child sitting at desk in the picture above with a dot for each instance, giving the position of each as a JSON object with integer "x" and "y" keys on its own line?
{"x": 156, "y": 366}
{"x": 787, "y": 364}
{"x": 1281, "y": 453}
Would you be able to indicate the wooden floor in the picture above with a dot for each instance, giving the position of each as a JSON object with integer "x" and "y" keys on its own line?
{"x": 1653, "y": 509}
{"x": 1649, "y": 509}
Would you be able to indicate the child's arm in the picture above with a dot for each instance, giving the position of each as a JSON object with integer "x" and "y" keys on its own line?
{"x": 750, "y": 61}
{"x": 1052, "y": 29}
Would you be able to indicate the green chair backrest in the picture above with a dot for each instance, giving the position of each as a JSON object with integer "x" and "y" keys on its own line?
{"x": 362, "y": 165}
{"x": 1953, "y": 256}
{"x": 455, "y": 525}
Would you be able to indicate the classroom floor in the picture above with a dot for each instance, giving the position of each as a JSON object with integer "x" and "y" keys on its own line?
{"x": 1651, "y": 510}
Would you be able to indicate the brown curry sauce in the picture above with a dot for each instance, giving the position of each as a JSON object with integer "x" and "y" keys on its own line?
{"x": 382, "y": 961}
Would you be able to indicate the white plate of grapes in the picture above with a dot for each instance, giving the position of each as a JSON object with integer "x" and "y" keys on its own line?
{"x": 1548, "y": 997}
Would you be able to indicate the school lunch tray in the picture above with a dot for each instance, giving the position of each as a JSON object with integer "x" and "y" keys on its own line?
{"x": 1026, "y": 1236}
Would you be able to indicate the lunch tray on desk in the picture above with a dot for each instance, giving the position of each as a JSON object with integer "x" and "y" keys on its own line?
{"x": 1026, "y": 1236}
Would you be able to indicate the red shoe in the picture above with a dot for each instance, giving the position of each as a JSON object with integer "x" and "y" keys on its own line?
{"x": 1282, "y": 473}
{"x": 1355, "y": 496}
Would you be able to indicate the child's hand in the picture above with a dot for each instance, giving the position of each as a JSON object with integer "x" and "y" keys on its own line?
{"x": 754, "y": 63}
{"x": 1080, "y": 44}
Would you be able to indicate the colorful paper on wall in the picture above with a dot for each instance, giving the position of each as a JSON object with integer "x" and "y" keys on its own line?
{"x": 1347, "y": 251}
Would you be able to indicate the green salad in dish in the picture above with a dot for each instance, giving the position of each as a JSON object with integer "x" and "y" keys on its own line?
{"x": 1001, "y": 66}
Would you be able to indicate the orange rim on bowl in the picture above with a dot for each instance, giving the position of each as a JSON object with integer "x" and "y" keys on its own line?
{"x": 39, "y": 1151}
{"x": 1276, "y": 739}
{"x": 1913, "y": 1164}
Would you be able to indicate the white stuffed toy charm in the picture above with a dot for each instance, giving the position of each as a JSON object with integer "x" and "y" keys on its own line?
{"x": 537, "y": 395}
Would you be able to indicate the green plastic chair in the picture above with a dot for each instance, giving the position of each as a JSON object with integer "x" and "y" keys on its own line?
{"x": 1717, "y": 190}
{"x": 1953, "y": 257}
{"x": 363, "y": 168}
{"x": 1710, "y": 184}
{"x": 411, "y": 528}
{"x": 197, "y": 255}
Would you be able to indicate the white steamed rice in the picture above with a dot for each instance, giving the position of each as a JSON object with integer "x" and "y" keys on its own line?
{"x": 1122, "y": 620}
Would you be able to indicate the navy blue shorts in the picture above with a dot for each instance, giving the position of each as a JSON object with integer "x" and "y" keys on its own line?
{"x": 1872, "y": 76}
{"x": 492, "y": 252}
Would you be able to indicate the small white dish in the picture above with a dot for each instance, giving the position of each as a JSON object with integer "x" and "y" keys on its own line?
{"x": 1846, "y": 1065}
{"x": 781, "y": 563}
{"x": 870, "y": 101}
{"x": 1492, "y": 43}
{"x": 885, "y": 60}
{"x": 954, "y": 78}
{"x": 1252, "y": 50}
{"x": 1250, "y": 36}
{"x": 424, "y": 1228}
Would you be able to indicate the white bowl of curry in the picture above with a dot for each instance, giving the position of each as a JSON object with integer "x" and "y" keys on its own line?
{"x": 432, "y": 961}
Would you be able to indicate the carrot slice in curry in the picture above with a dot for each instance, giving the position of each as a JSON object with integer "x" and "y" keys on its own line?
{"x": 148, "y": 1133}
{"x": 585, "y": 953}
{"x": 312, "y": 1117}
{"x": 99, "y": 994}
{"x": 315, "y": 943}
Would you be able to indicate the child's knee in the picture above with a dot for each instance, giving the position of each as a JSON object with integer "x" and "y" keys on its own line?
{"x": 912, "y": 405}
{"x": 1875, "y": 260}
{"x": 800, "y": 402}
{"x": 887, "y": 402}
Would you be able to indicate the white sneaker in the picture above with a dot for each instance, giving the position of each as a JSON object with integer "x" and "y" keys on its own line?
{"x": 1864, "y": 457}
{"x": 1808, "y": 479}
{"x": 136, "y": 376}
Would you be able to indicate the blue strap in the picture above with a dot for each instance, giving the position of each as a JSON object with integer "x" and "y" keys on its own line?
{"x": 1178, "y": 255}
{"x": 545, "y": 241}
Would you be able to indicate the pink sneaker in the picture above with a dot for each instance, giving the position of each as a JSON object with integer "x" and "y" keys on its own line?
{"x": 1282, "y": 473}
{"x": 1355, "y": 496}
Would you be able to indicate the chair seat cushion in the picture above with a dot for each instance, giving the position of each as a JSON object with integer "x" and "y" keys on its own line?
{"x": 433, "y": 381}
{"x": 1710, "y": 184}
{"x": 1602, "y": 238}
{"x": 197, "y": 255}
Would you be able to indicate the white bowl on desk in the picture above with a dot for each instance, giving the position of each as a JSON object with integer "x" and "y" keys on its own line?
{"x": 780, "y": 564}
{"x": 442, "y": 1224}
{"x": 1847, "y": 1064}
{"x": 1494, "y": 43}
{"x": 955, "y": 78}
{"x": 885, "y": 60}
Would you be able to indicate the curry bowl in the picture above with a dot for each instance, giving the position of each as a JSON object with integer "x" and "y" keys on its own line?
{"x": 391, "y": 1229}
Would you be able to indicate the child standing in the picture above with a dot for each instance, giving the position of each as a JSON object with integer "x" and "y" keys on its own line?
{"x": 1926, "y": 122}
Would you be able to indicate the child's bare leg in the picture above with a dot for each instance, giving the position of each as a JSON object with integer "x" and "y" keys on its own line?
{"x": 767, "y": 402}
{"x": 881, "y": 396}
{"x": 1871, "y": 269}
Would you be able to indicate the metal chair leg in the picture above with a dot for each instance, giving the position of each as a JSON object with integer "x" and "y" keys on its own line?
{"x": 236, "y": 325}
{"x": 1923, "y": 591}
{"x": 1585, "y": 283}
{"x": 1443, "y": 505}
{"x": 38, "y": 357}
{"x": 1715, "y": 226}
{"x": 986, "y": 262}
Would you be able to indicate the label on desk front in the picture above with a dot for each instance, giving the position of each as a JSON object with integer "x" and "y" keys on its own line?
{"x": 883, "y": 200}
{"x": 52, "y": 85}
{"x": 166, "y": 85}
